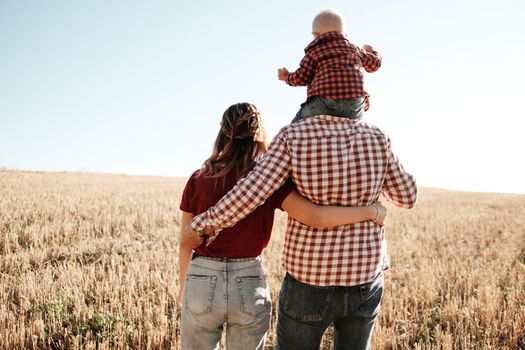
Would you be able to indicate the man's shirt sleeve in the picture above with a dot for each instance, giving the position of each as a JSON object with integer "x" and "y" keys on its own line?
{"x": 399, "y": 187}
{"x": 269, "y": 174}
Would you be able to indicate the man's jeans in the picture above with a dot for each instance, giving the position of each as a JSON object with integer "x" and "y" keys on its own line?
{"x": 305, "y": 311}
{"x": 317, "y": 105}
{"x": 234, "y": 292}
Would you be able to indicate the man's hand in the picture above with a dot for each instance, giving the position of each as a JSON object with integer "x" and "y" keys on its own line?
{"x": 192, "y": 237}
{"x": 282, "y": 73}
{"x": 367, "y": 48}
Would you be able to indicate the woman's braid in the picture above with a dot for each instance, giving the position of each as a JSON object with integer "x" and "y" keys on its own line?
{"x": 246, "y": 123}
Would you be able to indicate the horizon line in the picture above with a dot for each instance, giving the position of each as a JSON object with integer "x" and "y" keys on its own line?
{"x": 86, "y": 172}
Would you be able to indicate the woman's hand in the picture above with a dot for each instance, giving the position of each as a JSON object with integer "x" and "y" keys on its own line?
{"x": 380, "y": 213}
{"x": 180, "y": 295}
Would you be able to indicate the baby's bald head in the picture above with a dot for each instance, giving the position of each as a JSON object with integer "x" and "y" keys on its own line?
{"x": 328, "y": 21}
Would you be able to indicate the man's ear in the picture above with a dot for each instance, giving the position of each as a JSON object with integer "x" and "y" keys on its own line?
{"x": 315, "y": 34}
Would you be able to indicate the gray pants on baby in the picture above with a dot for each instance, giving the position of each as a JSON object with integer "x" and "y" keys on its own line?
{"x": 317, "y": 105}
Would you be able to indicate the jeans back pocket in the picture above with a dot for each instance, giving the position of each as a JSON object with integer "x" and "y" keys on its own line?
{"x": 304, "y": 302}
{"x": 371, "y": 295}
{"x": 254, "y": 295}
{"x": 199, "y": 293}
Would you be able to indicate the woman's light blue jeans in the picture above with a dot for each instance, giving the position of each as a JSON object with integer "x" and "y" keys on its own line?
{"x": 229, "y": 292}
{"x": 305, "y": 311}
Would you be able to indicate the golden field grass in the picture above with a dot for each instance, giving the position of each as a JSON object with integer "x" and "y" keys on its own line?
{"x": 90, "y": 262}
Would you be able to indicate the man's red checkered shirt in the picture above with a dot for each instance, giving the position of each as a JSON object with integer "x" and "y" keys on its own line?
{"x": 333, "y": 67}
{"x": 333, "y": 161}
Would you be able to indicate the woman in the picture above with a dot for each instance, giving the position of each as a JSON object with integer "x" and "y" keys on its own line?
{"x": 224, "y": 282}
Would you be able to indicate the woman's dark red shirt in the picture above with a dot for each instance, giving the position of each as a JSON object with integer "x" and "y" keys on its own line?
{"x": 249, "y": 236}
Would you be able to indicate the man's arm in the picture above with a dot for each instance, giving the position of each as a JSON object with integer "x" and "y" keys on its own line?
{"x": 269, "y": 174}
{"x": 370, "y": 58}
{"x": 399, "y": 187}
{"x": 302, "y": 76}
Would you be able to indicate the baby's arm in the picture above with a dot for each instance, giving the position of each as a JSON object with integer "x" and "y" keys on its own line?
{"x": 301, "y": 77}
{"x": 370, "y": 58}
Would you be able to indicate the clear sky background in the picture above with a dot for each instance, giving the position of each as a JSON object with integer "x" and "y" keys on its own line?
{"x": 139, "y": 87}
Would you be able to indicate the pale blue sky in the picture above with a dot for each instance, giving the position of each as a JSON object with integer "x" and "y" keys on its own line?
{"x": 139, "y": 87}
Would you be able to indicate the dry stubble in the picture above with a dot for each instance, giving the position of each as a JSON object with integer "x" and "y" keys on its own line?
{"x": 89, "y": 261}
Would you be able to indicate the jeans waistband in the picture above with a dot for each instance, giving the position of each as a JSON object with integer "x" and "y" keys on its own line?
{"x": 225, "y": 259}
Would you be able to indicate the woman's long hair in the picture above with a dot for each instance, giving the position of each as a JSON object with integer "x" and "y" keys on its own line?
{"x": 236, "y": 148}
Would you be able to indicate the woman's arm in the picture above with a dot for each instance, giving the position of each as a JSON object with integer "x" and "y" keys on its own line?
{"x": 320, "y": 216}
{"x": 185, "y": 253}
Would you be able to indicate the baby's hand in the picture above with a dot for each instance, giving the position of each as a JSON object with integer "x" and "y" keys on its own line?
{"x": 282, "y": 73}
{"x": 367, "y": 48}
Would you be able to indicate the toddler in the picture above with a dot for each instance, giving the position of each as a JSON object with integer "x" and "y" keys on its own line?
{"x": 332, "y": 71}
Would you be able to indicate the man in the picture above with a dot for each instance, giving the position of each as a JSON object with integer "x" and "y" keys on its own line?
{"x": 334, "y": 276}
